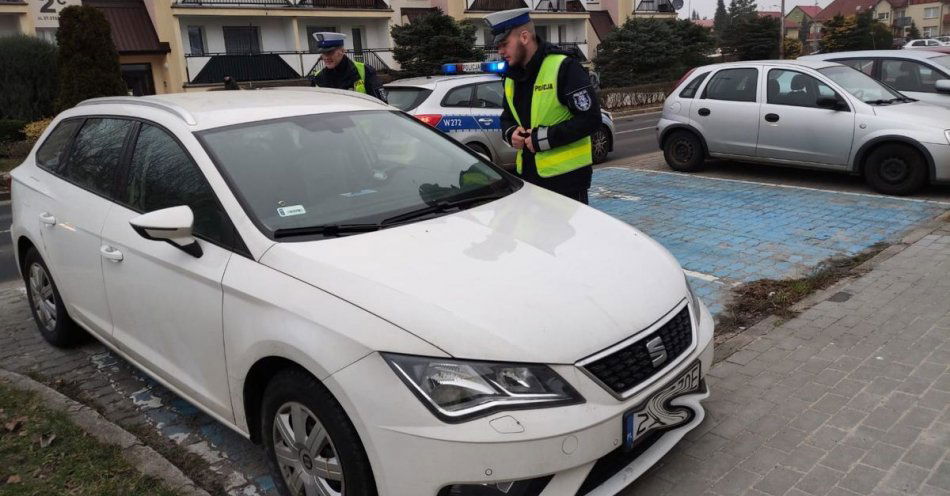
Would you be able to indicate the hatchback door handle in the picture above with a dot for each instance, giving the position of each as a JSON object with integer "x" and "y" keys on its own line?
{"x": 48, "y": 219}
{"x": 110, "y": 253}
{"x": 486, "y": 121}
{"x": 704, "y": 111}
{"x": 771, "y": 117}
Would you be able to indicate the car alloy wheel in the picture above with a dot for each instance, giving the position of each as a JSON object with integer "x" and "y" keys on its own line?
{"x": 44, "y": 298}
{"x": 305, "y": 453}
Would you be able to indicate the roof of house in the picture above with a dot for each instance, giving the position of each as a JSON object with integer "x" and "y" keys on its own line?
{"x": 602, "y": 23}
{"x": 809, "y": 10}
{"x": 132, "y": 29}
{"x": 845, "y": 8}
{"x": 706, "y": 23}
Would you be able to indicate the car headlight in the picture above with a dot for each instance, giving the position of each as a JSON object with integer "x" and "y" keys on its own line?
{"x": 460, "y": 390}
{"x": 947, "y": 134}
{"x": 693, "y": 299}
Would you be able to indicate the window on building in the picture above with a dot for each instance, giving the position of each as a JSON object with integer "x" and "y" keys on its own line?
{"x": 196, "y": 39}
{"x": 311, "y": 42}
{"x": 883, "y": 16}
{"x": 242, "y": 40}
{"x": 561, "y": 33}
{"x": 931, "y": 12}
{"x": 929, "y": 32}
{"x": 47, "y": 34}
{"x": 487, "y": 37}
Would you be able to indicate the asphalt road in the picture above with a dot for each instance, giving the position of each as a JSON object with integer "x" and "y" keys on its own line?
{"x": 7, "y": 264}
{"x": 634, "y": 135}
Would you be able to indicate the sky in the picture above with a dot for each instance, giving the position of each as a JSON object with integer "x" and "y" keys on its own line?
{"x": 707, "y": 8}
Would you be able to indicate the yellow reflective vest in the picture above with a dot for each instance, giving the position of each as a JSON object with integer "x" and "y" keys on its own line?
{"x": 546, "y": 111}
{"x": 360, "y": 85}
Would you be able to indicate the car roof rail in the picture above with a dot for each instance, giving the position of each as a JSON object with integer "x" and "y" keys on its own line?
{"x": 171, "y": 108}
{"x": 317, "y": 89}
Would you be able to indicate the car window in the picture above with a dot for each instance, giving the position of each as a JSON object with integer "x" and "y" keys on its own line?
{"x": 862, "y": 86}
{"x": 96, "y": 152}
{"x": 864, "y": 65}
{"x": 689, "y": 91}
{"x": 795, "y": 89}
{"x": 907, "y": 75}
{"x": 458, "y": 97}
{"x": 51, "y": 153}
{"x": 406, "y": 98}
{"x": 344, "y": 168}
{"x": 736, "y": 85}
{"x": 920, "y": 43}
{"x": 489, "y": 95}
{"x": 943, "y": 60}
{"x": 162, "y": 175}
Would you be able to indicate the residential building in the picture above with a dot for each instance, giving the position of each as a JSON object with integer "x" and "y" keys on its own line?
{"x": 15, "y": 18}
{"x": 932, "y": 17}
{"x": 803, "y": 17}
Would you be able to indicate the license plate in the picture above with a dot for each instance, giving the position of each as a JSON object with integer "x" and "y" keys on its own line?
{"x": 656, "y": 413}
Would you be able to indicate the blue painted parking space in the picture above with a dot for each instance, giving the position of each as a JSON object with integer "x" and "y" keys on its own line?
{"x": 726, "y": 232}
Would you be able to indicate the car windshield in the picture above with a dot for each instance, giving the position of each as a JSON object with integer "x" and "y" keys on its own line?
{"x": 405, "y": 98}
{"x": 299, "y": 175}
{"x": 943, "y": 60}
{"x": 861, "y": 85}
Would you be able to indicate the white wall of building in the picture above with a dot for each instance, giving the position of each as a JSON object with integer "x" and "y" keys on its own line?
{"x": 375, "y": 31}
{"x": 276, "y": 33}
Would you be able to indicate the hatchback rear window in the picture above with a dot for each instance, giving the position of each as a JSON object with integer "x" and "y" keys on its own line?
{"x": 406, "y": 98}
{"x": 690, "y": 90}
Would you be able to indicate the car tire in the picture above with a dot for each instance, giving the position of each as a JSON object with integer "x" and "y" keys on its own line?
{"x": 895, "y": 169}
{"x": 338, "y": 459}
{"x": 49, "y": 311}
{"x": 684, "y": 152}
{"x": 481, "y": 149}
{"x": 600, "y": 144}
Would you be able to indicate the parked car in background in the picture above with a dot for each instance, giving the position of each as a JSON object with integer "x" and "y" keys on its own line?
{"x": 468, "y": 106}
{"x": 943, "y": 39}
{"x": 928, "y": 42}
{"x": 383, "y": 309}
{"x": 806, "y": 113}
{"x": 920, "y": 74}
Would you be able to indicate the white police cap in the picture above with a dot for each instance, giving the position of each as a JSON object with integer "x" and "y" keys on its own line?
{"x": 328, "y": 41}
{"x": 501, "y": 23}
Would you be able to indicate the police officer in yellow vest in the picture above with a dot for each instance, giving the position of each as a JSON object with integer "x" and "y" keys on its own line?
{"x": 550, "y": 107}
{"x": 339, "y": 71}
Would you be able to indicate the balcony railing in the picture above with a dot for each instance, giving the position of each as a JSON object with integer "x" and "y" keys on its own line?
{"x": 211, "y": 68}
{"x": 318, "y": 4}
{"x": 559, "y": 6}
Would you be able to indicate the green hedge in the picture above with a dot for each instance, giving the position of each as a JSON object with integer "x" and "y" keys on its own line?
{"x": 11, "y": 130}
{"x": 28, "y": 81}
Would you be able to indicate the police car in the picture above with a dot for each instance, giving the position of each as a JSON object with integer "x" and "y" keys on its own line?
{"x": 466, "y": 103}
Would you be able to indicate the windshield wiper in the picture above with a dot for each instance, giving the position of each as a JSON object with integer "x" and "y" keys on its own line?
{"x": 442, "y": 206}
{"x": 326, "y": 230}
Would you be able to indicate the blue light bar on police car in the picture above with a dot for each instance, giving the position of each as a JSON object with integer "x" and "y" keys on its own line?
{"x": 495, "y": 67}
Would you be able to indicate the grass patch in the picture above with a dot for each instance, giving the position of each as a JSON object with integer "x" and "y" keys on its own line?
{"x": 43, "y": 452}
{"x": 753, "y": 301}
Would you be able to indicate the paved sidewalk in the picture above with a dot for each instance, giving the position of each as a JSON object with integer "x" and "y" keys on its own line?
{"x": 851, "y": 397}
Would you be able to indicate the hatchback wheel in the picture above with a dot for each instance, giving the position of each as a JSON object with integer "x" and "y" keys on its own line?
{"x": 895, "y": 169}
{"x": 600, "y": 144}
{"x": 683, "y": 151}
{"x": 311, "y": 445}
{"x": 47, "y": 306}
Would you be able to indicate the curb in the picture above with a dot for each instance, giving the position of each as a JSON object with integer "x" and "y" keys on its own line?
{"x": 735, "y": 343}
{"x": 142, "y": 457}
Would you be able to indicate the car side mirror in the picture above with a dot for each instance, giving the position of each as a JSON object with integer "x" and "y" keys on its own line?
{"x": 942, "y": 85}
{"x": 828, "y": 102}
{"x": 172, "y": 225}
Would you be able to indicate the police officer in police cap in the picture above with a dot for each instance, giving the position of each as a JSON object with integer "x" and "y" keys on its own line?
{"x": 339, "y": 71}
{"x": 550, "y": 107}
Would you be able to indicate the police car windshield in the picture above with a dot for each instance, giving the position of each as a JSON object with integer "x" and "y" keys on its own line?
{"x": 345, "y": 169}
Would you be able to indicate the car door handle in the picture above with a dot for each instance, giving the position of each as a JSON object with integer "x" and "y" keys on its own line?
{"x": 485, "y": 121}
{"x": 704, "y": 111}
{"x": 48, "y": 219}
{"x": 110, "y": 253}
{"x": 771, "y": 117}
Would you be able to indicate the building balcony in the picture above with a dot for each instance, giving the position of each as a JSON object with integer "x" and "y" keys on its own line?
{"x": 539, "y": 6}
{"x": 311, "y": 4}
{"x": 211, "y": 68}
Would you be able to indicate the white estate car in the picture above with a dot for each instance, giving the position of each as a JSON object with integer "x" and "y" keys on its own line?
{"x": 805, "y": 113}
{"x": 381, "y": 308}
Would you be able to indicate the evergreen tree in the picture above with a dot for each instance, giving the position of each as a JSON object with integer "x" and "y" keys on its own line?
{"x": 860, "y": 32}
{"x": 803, "y": 30}
{"x": 28, "y": 84}
{"x": 721, "y": 19}
{"x": 645, "y": 50}
{"x": 754, "y": 37}
{"x": 694, "y": 16}
{"x": 913, "y": 33}
{"x": 423, "y": 45}
{"x": 88, "y": 61}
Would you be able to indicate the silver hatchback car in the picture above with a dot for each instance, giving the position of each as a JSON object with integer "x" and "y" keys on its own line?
{"x": 811, "y": 114}
{"x": 468, "y": 108}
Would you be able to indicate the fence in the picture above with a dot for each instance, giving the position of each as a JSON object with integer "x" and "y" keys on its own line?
{"x": 634, "y": 96}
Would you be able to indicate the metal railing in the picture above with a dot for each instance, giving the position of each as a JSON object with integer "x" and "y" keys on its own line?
{"x": 491, "y": 52}
{"x": 210, "y": 68}
{"x": 559, "y": 6}
{"x": 318, "y": 4}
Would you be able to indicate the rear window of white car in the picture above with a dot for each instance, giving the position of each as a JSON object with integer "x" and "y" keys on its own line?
{"x": 406, "y": 98}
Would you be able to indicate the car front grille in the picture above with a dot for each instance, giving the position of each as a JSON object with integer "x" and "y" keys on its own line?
{"x": 631, "y": 365}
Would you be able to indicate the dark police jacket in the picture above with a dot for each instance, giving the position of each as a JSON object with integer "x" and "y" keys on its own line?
{"x": 344, "y": 76}
{"x": 573, "y": 87}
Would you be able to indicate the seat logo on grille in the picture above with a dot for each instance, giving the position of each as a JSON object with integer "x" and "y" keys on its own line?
{"x": 657, "y": 351}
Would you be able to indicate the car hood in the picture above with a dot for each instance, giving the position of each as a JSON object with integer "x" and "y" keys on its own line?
{"x": 917, "y": 114}
{"x": 532, "y": 277}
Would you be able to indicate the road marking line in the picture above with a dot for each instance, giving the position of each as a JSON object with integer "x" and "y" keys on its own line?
{"x": 4, "y": 231}
{"x": 634, "y": 116}
{"x": 5, "y": 203}
{"x": 635, "y": 130}
{"x": 788, "y": 186}
{"x": 700, "y": 275}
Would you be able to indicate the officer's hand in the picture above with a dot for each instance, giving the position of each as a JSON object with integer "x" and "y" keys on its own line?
{"x": 528, "y": 142}
{"x": 517, "y": 138}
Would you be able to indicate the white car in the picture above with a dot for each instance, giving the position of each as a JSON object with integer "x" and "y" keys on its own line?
{"x": 923, "y": 43}
{"x": 805, "y": 113}
{"x": 380, "y": 307}
{"x": 920, "y": 74}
